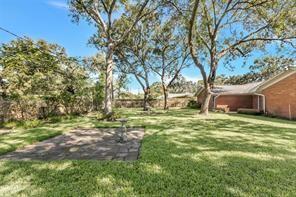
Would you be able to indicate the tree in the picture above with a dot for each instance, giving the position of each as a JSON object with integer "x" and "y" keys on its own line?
{"x": 136, "y": 54}
{"x": 262, "y": 69}
{"x": 106, "y": 15}
{"x": 221, "y": 30}
{"x": 34, "y": 71}
{"x": 181, "y": 85}
{"x": 25, "y": 67}
{"x": 95, "y": 65}
{"x": 170, "y": 53}
{"x": 120, "y": 84}
{"x": 138, "y": 68}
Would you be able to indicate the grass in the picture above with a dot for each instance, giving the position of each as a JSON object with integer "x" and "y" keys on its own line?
{"x": 182, "y": 154}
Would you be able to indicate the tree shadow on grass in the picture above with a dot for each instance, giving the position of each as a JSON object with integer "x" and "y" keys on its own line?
{"x": 170, "y": 170}
{"x": 208, "y": 158}
{"x": 263, "y": 118}
{"x": 16, "y": 140}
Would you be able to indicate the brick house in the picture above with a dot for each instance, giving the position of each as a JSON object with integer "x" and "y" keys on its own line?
{"x": 276, "y": 96}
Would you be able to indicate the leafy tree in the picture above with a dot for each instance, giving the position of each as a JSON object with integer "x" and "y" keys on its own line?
{"x": 156, "y": 89}
{"x": 263, "y": 69}
{"x": 181, "y": 85}
{"x": 222, "y": 30}
{"x": 170, "y": 52}
{"x": 27, "y": 69}
{"x": 114, "y": 21}
{"x": 141, "y": 72}
{"x": 95, "y": 65}
{"x": 136, "y": 54}
{"x": 38, "y": 71}
{"x": 120, "y": 84}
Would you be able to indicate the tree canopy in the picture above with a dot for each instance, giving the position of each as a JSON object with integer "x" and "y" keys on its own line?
{"x": 42, "y": 72}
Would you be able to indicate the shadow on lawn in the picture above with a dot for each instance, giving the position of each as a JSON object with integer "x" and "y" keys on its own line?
{"x": 264, "y": 118}
{"x": 14, "y": 140}
{"x": 189, "y": 160}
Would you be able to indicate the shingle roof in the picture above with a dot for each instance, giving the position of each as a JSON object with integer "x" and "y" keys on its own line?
{"x": 249, "y": 88}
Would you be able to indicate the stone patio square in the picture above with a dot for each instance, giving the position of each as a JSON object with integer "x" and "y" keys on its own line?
{"x": 83, "y": 144}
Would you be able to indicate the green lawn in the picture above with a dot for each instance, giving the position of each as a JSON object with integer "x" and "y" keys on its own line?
{"x": 182, "y": 154}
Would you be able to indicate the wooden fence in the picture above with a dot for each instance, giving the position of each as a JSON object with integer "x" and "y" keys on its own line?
{"x": 180, "y": 102}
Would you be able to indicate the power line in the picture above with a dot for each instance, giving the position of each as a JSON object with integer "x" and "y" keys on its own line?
{"x": 23, "y": 38}
{"x": 9, "y": 32}
{"x": 37, "y": 46}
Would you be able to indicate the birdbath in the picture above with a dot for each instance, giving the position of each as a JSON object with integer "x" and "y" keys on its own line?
{"x": 122, "y": 133}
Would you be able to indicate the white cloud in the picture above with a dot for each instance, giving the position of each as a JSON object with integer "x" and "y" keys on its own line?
{"x": 58, "y": 4}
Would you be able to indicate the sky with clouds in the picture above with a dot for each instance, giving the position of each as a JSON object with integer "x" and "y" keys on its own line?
{"x": 50, "y": 20}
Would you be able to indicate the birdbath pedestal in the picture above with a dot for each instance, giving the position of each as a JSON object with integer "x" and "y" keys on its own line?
{"x": 122, "y": 133}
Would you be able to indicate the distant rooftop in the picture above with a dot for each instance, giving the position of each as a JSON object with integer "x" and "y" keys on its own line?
{"x": 178, "y": 95}
{"x": 249, "y": 88}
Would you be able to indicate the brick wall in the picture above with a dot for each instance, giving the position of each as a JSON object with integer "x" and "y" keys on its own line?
{"x": 281, "y": 98}
{"x": 235, "y": 101}
{"x": 256, "y": 103}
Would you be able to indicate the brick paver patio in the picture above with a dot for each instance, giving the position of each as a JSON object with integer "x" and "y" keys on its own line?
{"x": 97, "y": 144}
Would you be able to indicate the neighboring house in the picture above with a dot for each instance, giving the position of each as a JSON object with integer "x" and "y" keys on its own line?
{"x": 276, "y": 96}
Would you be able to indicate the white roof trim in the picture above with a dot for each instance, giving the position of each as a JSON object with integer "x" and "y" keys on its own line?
{"x": 259, "y": 87}
{"x": 274, "y": 80}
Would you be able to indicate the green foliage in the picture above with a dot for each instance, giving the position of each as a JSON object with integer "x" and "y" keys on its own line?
{"x": 114, "y": 21}
{"x": 249, "y": 111}
{"x": 45, "y": 75}
{"x": 26, "y": 124}
{"x": 181, "y": 85}
{"x": 130, "y": 95}
{"x": 156, "y": 90}
{"x": 193, "y": 104}
{"x": 109, "y": 117}
{"x": 262, "y": 69}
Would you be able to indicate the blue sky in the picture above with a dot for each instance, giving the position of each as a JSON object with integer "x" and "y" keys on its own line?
{"x": 50, "y": 20}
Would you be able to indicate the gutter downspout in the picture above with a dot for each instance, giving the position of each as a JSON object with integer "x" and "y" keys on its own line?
{"x": 264, "y": 101}
{"x": 214, "y": 107}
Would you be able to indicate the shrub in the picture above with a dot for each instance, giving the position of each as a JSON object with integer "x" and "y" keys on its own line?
{"x": 24, "y": 124}
{"x": 193, "y": 104}
{"x": 55, "y": 119}
{"x": 249, "y": 111}
{"x": 110, "y": 117}
{"x": 32, "y": 124}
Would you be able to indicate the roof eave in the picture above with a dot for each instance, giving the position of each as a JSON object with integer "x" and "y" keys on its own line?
{"x": 274, "y": 80}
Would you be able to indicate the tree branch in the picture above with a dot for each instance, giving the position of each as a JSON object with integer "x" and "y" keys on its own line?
{"x": 191, "y": 45}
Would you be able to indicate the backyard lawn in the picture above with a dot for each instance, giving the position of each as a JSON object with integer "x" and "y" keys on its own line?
{"x": 182, "y": 154}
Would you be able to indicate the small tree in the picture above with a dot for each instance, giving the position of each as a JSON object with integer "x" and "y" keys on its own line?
{"x": 106, "y": 15}
{"x": 135, "y": 57}
{"x": 181, "y": 85}
{"x": 95, "y": 66}
{"x": 170, "y": 53}
{"x": 139, "y": 69}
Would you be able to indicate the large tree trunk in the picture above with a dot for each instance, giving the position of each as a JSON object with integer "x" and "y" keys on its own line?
{"x": 109, "y": 81}
{"x": 146, "y": 104}
{"x": 206, "y": 101}
{"x": 165, "y": 97}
